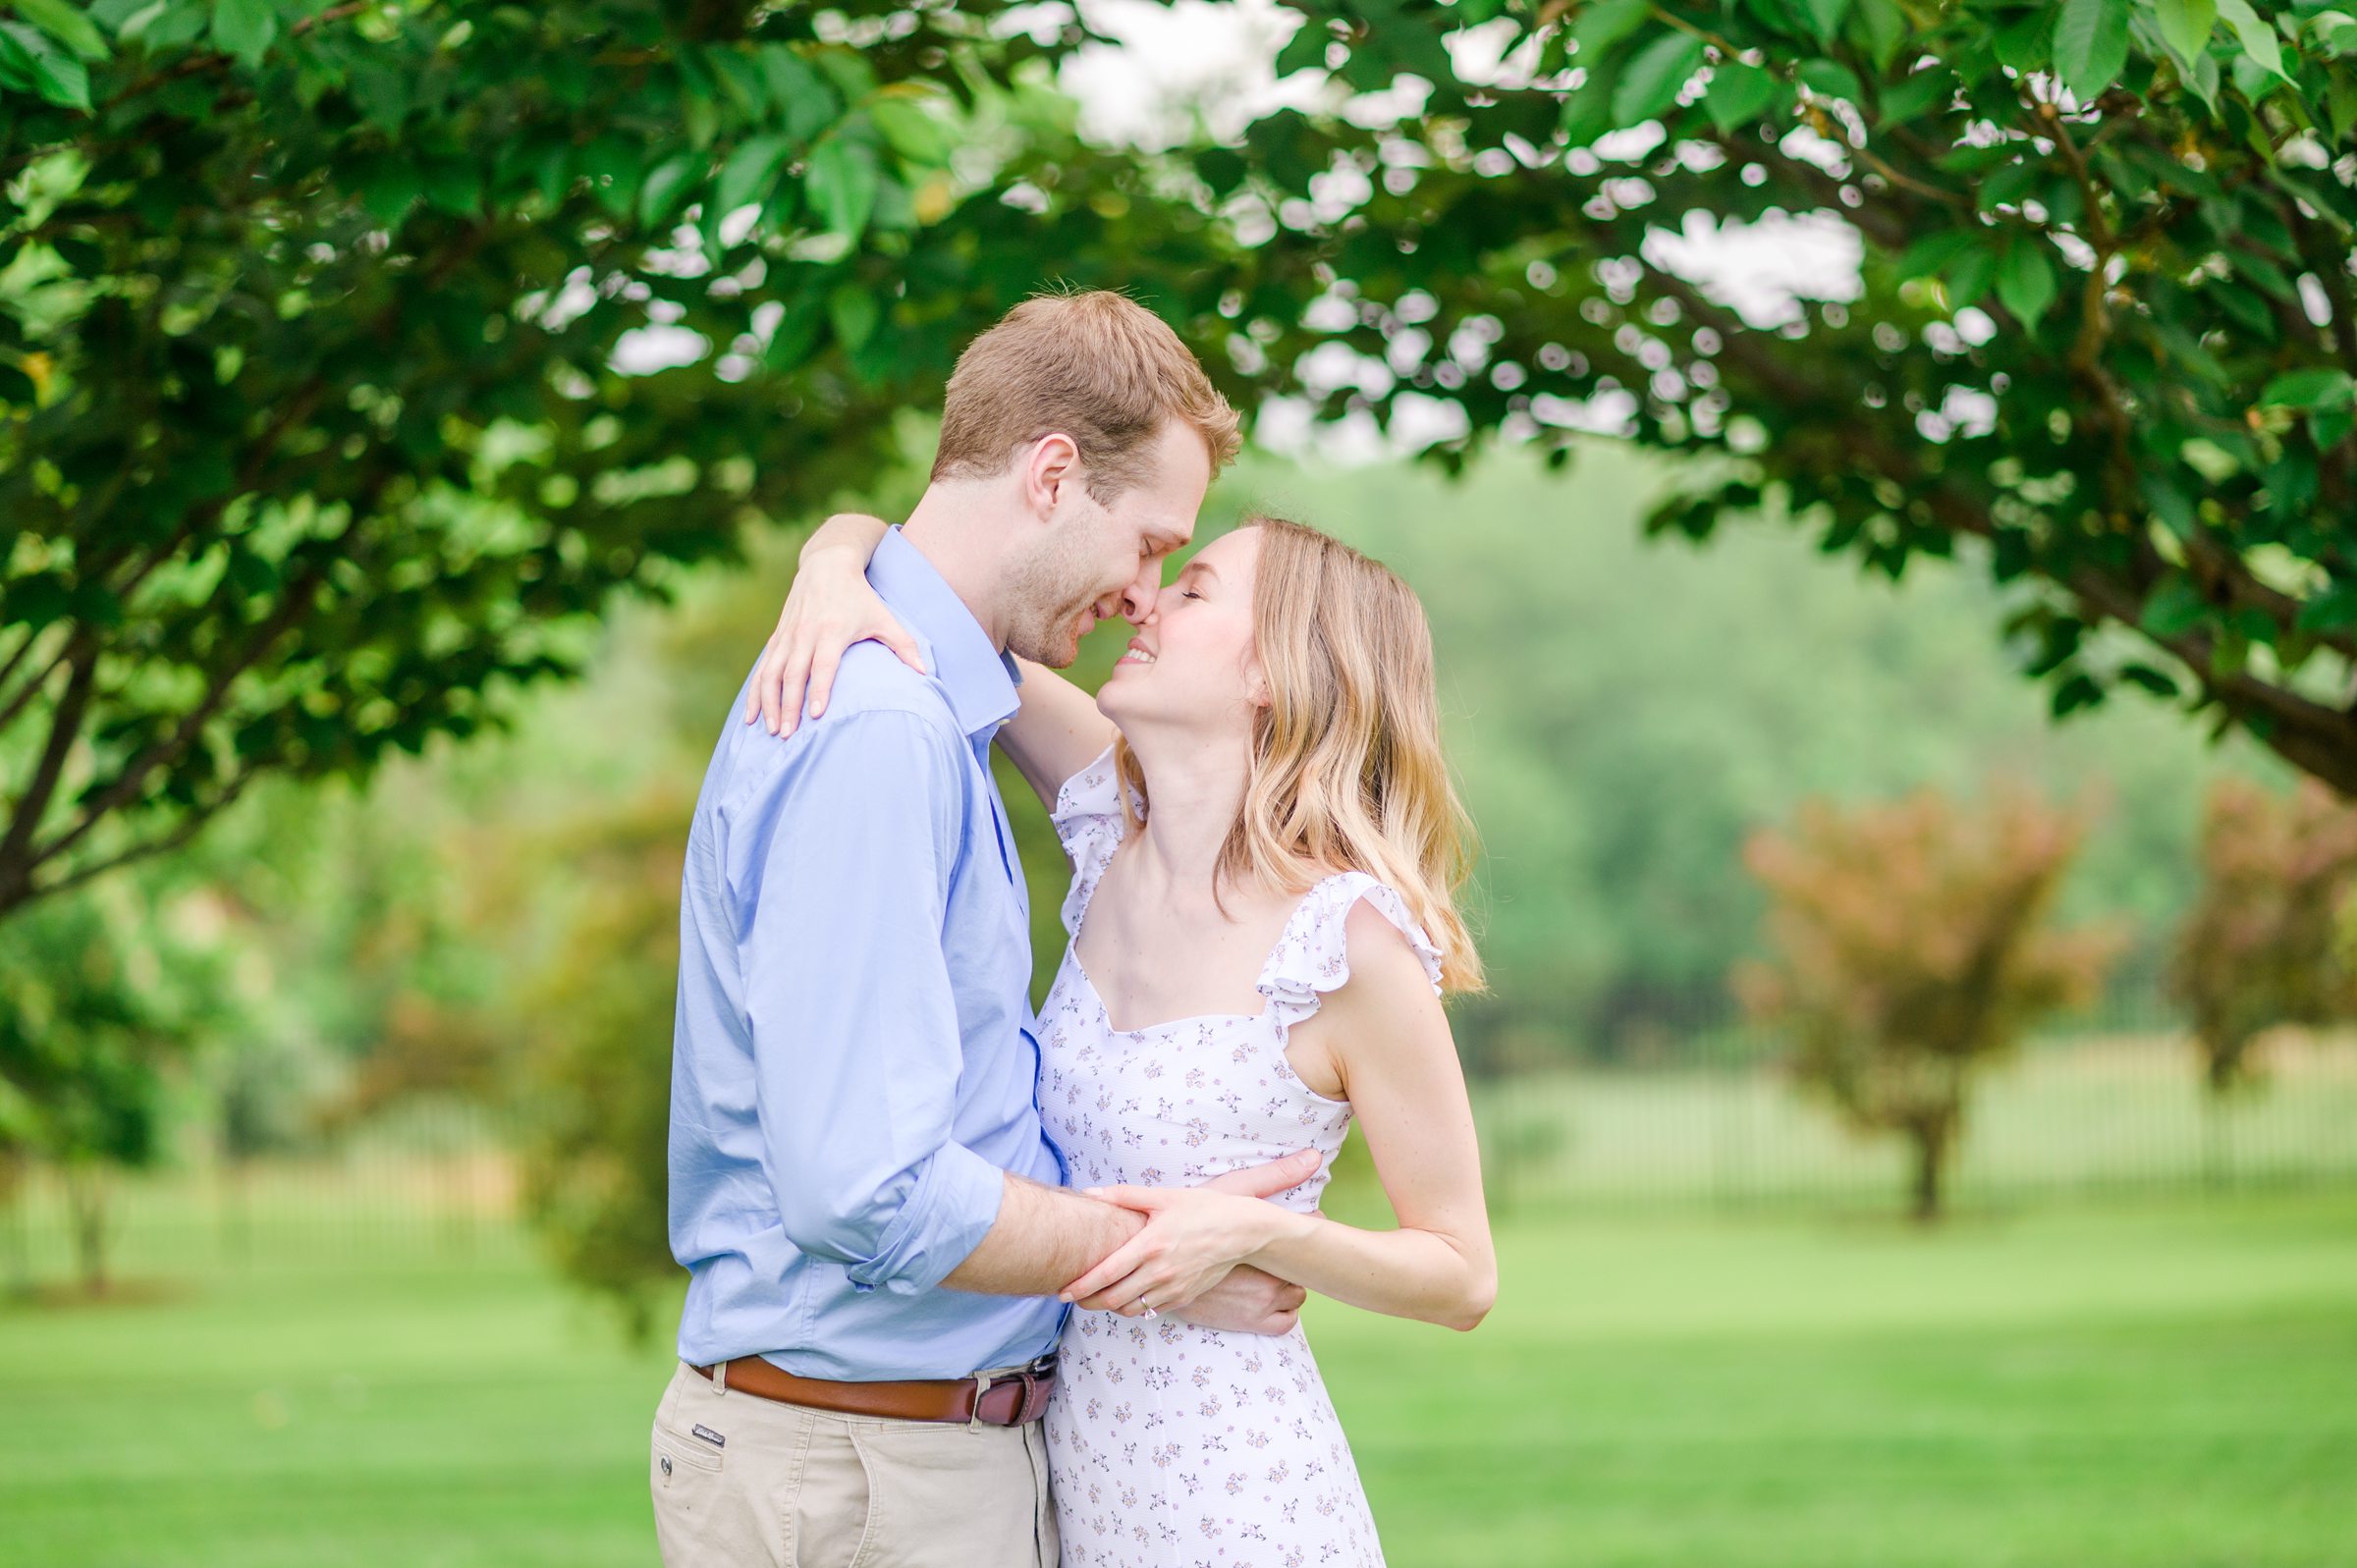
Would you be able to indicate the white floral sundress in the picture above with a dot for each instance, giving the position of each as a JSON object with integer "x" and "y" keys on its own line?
{"x": 1169, "y": 1445}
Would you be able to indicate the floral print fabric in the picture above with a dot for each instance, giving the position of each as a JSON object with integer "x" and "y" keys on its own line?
{"x": 1171, "y": 1444}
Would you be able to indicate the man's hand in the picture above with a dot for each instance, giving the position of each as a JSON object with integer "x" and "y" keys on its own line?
{"x": 1246, "y": 1302}
{"x": 1193, "y": 1239}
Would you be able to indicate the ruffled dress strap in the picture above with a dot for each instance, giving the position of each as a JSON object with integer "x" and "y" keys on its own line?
{"x": 1088, "y": 818}
{"x": 1313, "y": 955}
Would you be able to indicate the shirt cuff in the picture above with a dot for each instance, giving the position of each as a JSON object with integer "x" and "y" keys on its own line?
{"x": 944, "y": 1219}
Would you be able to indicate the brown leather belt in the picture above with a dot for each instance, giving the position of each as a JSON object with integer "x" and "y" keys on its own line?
{"x": 1007, "y": 1398}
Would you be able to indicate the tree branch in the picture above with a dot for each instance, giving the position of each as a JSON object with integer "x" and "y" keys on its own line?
{"x": 133, "y": 776}
{"x": 32, "y": 689}
{"x": 32, "y": 634}
{"x": 187, "y": 828}
{"x": 64, "y": 726}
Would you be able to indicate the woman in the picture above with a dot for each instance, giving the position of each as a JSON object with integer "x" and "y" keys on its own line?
{"x": 1265, "y": 847}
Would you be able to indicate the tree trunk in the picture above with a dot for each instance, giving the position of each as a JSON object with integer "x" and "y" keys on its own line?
{"x": 86, "y": 1191}
{"x": 2223, "y": 1064}
{"x": 2217, "y": 1156}
{"x": 236, "y": 1224}
{"x": 19, "y": 1252}
{"x": 1931, "y": 1166}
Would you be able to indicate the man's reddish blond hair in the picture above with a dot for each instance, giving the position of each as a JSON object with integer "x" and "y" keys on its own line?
{"x": 1098, "y": 367}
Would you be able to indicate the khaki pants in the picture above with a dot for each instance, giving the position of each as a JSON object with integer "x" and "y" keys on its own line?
{"x": 791, "y": 1488}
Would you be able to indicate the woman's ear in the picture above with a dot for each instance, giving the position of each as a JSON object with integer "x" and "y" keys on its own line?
{"x": 1256, "y": 683}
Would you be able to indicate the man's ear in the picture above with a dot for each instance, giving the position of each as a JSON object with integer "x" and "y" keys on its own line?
{"x": 1052, "y": 466}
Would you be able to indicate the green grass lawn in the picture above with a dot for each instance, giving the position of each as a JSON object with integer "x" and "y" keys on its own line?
{"x": 2149, "y": 1384}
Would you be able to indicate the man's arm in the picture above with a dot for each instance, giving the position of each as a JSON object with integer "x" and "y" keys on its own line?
{"x": 1047, "y": 1237}
{"x": 838, "y": 854}
{"x": 1044, "y": 1239}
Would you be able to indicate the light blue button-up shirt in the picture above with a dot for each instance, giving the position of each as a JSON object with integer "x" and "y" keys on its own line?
{"x": 852, "y": 1061}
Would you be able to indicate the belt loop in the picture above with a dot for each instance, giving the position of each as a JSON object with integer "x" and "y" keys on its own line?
{"x": 719, "y": 1377}
{"x": 981, "y": 1386}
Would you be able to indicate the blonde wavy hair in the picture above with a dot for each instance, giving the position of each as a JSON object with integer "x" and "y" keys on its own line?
{"x": 1347, "y": 767}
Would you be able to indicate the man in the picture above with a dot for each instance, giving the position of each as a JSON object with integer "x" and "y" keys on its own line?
{"x": 873, "y": 1220}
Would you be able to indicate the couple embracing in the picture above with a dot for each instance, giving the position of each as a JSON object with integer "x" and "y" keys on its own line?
{"x": 976, "y": 1287}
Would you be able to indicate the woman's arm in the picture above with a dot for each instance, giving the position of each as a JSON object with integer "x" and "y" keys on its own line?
{"x": 1057, "y": 731}
{"x": 829, "y": 606}
{"x": 1386, "y": 1031}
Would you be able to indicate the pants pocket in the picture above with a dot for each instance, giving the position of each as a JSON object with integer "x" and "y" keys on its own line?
{"x": 941, "y": 1496}
{"x": 835, "y": 1514}
{"x": 686, "y": 1480}
{"x": 675, "y": 1454}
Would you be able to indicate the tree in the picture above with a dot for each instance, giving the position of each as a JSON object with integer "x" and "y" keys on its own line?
{"x": 1911, "y": 947}
{"x": 2102, "y": 336}
{"x": 319, "y": 430}
{"x": 2273, "y": 937}
{"x": 316, "y": 440}
{"x": 101, "y": 994}
{"x": 595, "y": 1081}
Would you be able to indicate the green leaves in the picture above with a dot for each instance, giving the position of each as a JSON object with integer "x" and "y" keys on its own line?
{"x": 2311, "y": 391}
{"x": 2334, "y": 610}
{"x": 33, "y": 62}
{"x": 2025, "y": 280}
{"x": 1601, "y": 24}
{"x": 246, "y": 28}
{"x": 854, "y": 311}
{"x": 395, "y": 425}
{"x": 912, "y": 133}
{"x": 2174, "y": 607}
{"x": 1652, "y": 79}
{"x": 2205, "y": 416}
{"x": 2185, "y": 25}
{"x": 1737, "y": 94}
{"x": 1823, "y": 16}
{"x": 1916, "y": 95}
{"x": 843, "y": 180}
{"x": 667, "y": 186}
{"x": 746, "y": 174}
{"x": 67, "y": 24}
{"x": 2090, "y": 45}
{"x": 1833, "y": 78}
{"x": 2256, "y": 35}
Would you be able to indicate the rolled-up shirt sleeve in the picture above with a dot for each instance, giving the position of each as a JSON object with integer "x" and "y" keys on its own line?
{"x": 840, "y": 861}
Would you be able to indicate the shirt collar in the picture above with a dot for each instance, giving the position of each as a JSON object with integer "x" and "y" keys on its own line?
{"x": 979, "y": 678}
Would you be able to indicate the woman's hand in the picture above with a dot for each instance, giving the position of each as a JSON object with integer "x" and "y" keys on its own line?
{"x": 829, "y": 608}
{"x": 1193, "y": 1237}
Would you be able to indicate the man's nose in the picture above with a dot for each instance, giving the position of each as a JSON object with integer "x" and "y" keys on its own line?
{"x": 1137, "y": 600}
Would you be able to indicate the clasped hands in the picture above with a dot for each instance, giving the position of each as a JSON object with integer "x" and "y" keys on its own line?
{"x": 1193, "y": 1255}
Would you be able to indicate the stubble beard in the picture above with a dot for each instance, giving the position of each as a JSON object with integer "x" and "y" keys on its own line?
{"x": 1057, "y": 591}
{"x": 1047, "y": 637}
